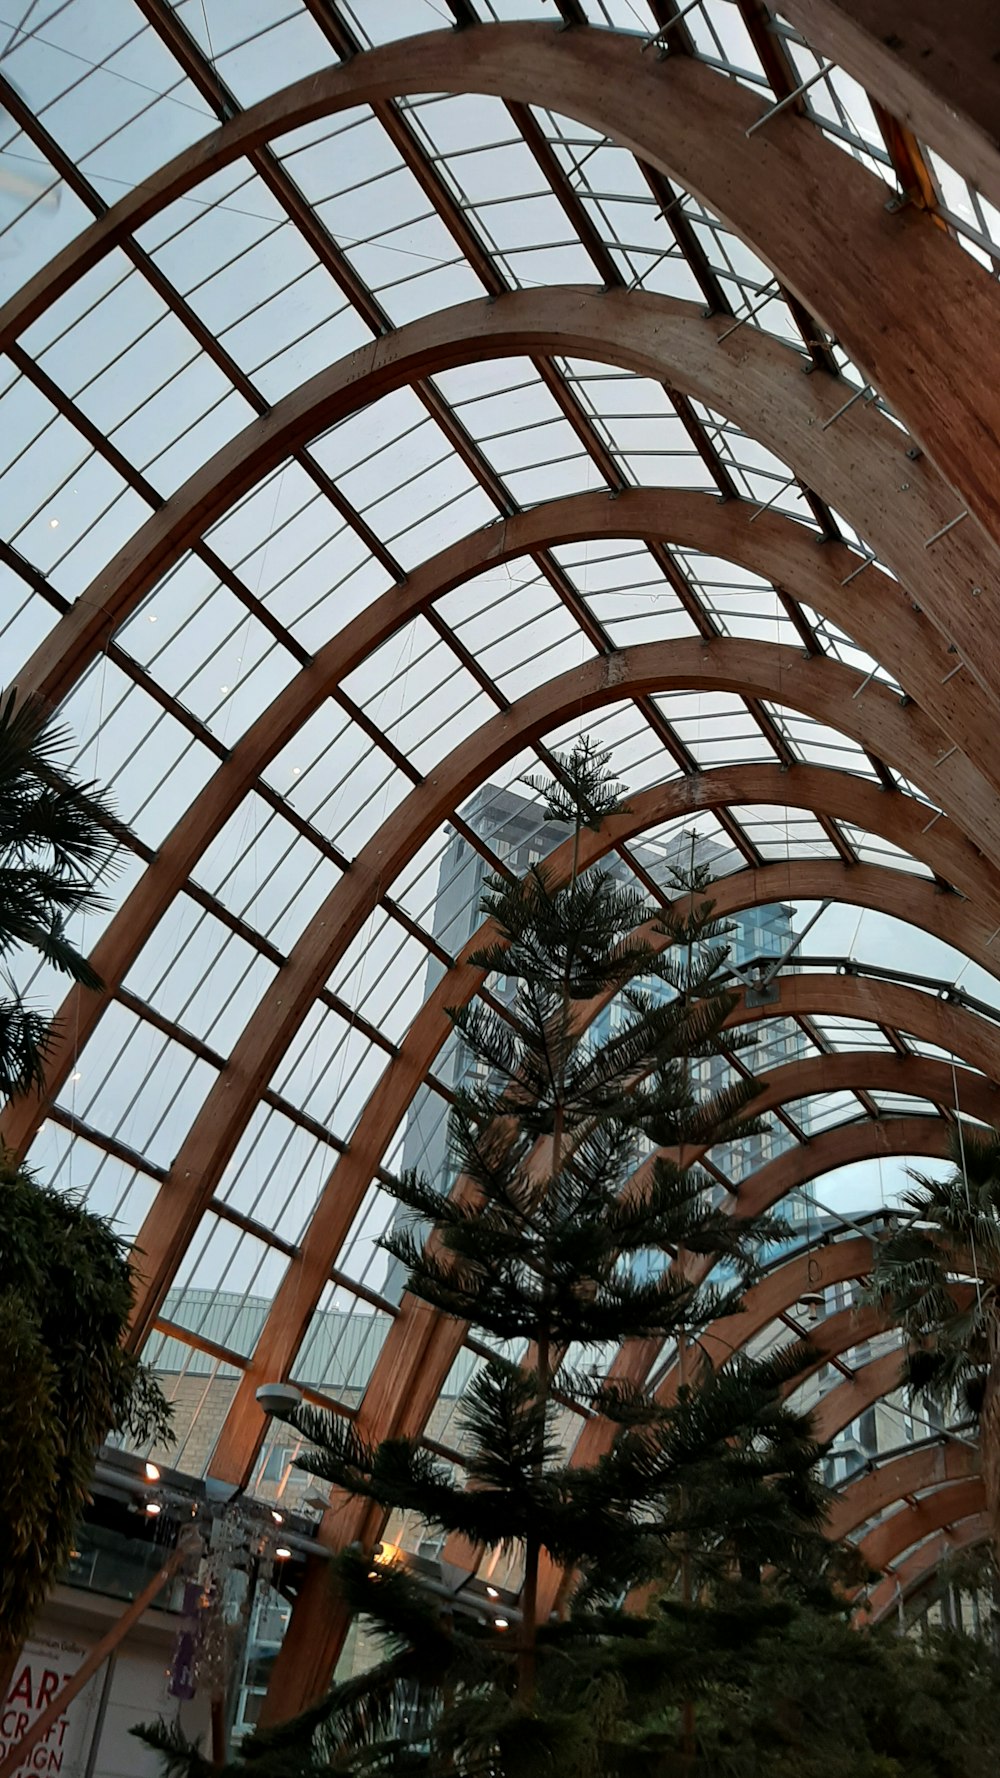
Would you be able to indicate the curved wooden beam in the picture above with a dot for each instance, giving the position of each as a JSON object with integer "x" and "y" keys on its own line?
{"x": 814, "y": 1269}
{"x": 779, "y": 1289}
{"x": 846, "y": 1401}
{"x": 947, "y": 1505}
{"x": 907, "y": 897}
{"x": 860, "y": 465}
{"x": 884, "y": 1485}
{"x": 418, "y": 1352}
{"x": 822, "y": 688}
{"x": 854, "y": 265}
{"x": 916, "y": 1077}
{"x": 779, "y": 549}
{"x": 907, "y": 1009}
{"x": 903, "y": 1581}
{"x": 932, "y": 67}
{"x": 349, "y": 1180}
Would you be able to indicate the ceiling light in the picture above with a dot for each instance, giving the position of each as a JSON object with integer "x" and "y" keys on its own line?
{"x": 279, "y": 1398}
{"x": 491, "y": 1593}
{"x": 152, "y": 617}
{"x": 279, "y": 1518}
{"x": 295, "y": 771}
{"x": 223, "y": 688}
{"x": 501, "y": 1623}
{"x": 53, "y": 524}
{"x": 76, "y": 1075}
{"x": 282, "y": 1553}
{"x": 153, "y": 1508}
{"x": 152, "y": 1472}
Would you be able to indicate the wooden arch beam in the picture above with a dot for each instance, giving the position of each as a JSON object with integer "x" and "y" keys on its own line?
{"x": 842, "y": 1332}
{"x": 820, "y": 687}
{"x": 843, "y": 1403}
{"x": 946, "y": 1505}
{"x": 759, "y": 1193}
{"x": 837, "y": 1334}
{"x": 350, "y": 1178}
{"x": 852, "y": 263}
{"x": 814, "y": 1269}
{"x": 917, "y": 1077}
{"x": 889, "y": 1003}
{"x": 860, "y": 465}
{"x": 902, "y": 1582}
{"x": 931, "y": 66}
{"x": 418, "y": 1353}
{"x": 780, "y": 550}
{"x": 884, "y": 1485}
{"x": 766, "y": 1301}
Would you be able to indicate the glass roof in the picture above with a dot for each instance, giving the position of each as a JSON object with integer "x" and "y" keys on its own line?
{"x": 253, "y": 795}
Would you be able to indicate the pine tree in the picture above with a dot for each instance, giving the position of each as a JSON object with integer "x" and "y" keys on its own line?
{"x": 542, "y": 1246}
{"x": 810, "y": 1696}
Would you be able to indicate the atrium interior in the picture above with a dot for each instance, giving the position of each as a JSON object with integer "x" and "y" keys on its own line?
{"x": 395, "y": 395}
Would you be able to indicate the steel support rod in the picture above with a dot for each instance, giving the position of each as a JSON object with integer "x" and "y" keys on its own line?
{"x": 769, "y": 298}
{"x": 950, "y": 526}
{"x": 769, "y": 503}
{"x": 654, "y": 42}
{"x": 865, "y": 682}
{"x": 796, "y": 93}
{"x": 866, "y": 563}
{"x": 867, "y": 391}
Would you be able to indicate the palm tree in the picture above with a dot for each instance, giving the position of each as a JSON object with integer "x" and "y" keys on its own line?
{"x": 939, "y": 1275}
{"x": 58, "y": 837}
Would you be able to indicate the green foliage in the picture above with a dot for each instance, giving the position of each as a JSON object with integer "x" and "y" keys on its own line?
{"x": 806, "y": 1696}
{"x": 58, "y": 836}
{"x": 577, "y": 1151}
{"x": 926, "y": 1275}
{"x": 65, "y": 1382}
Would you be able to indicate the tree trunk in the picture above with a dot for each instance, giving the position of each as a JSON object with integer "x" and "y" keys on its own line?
{"x": 989, "y": 1446}
{"x": 532, "y": 1556}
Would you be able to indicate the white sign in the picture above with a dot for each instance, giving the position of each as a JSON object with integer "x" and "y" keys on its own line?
{"x": 42, "y": 1671}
